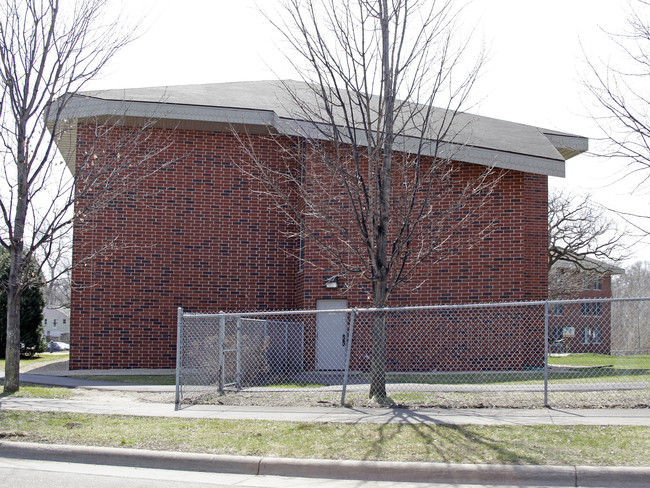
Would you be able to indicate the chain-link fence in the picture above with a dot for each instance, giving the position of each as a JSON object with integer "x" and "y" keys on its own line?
{"x": 570, "y": 353}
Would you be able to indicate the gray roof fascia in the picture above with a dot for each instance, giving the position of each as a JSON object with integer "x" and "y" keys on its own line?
{"x": 80, "y": 107}
{"x": 454, "y": 151}
{"x": 489, "y": 157}
{"x": 88, "y": 107}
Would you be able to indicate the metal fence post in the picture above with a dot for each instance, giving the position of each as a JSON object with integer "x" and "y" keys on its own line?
{"x": 222, "y": 340}
{"x": 179, "y": 355}
{"x": 238, "y": 377}
{"x": 546, "y": 354}
{"x": 347, "y": 357}
{"x": 418, "y": 365}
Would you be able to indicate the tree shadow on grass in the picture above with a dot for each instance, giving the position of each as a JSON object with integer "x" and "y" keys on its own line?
{"x": 446, "y": 443}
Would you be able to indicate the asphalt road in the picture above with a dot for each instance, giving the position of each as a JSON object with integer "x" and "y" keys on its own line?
{"x": 22, "y": 473}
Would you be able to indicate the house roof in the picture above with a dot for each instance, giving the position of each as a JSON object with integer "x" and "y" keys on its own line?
{"x": 56, "y": 311}
{"x": 263, "y": 104}
{"x": 587, "y": 264}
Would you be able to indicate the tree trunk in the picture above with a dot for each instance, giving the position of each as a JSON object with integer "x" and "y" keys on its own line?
{"x": 14, "y": 288}
{"x": 378, "y": 355}
{"x": 12, "y": 351}
{"x": 381, "y": 218}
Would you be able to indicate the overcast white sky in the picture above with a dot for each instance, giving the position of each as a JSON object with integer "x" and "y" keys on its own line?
{"x": 533, "y": 75}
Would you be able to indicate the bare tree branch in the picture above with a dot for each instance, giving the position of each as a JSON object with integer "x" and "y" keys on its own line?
{"x": 583, "y": 244}
{"x": 619, "y": 90}
{"x": 580, "y": 233}
{"x": 630, "y": 325}
{"x": 370, "y": 180}
{"x": 48, "y": 51}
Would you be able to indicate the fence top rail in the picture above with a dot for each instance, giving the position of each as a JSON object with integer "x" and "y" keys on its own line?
{"x": 413, "y": 308}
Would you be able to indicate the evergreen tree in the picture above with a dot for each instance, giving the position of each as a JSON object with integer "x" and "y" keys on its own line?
{"x": 31, "y": 309}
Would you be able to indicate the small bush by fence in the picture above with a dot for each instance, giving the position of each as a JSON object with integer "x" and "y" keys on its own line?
{"x": 555, "y": 353}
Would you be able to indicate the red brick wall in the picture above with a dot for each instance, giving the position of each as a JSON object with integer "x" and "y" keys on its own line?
{"x": 198, "y": 234}
{"x": 508, "y": 264}
{"x": 195, "y": 235}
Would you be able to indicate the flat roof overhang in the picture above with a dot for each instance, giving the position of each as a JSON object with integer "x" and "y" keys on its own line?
{"x": 255, "y": 121}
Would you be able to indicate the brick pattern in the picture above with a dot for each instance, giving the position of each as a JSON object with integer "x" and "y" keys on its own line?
{"x": 455, "y": 339}
{"x": 200, "y": 235}
{"x": 509, "y": 264}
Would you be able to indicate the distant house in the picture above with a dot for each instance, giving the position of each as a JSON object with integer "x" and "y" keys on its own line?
{"x": 583, "y": 327}
{"x": 207, "y": 238}
{"x": 56, "y": 324}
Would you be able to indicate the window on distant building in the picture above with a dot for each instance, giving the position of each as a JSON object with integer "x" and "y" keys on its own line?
{"x": 63, "y": 321}
{"x": 558, "y": 309}
{"x": 591, "y": 283}
{"x": 591, "y": 335}
{"x": 597, "y": 309}
{"x": 54, "y": 324}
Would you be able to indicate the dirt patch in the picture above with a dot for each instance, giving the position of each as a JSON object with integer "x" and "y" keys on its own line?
{"x": 357, "y": 396}
{"x": 437, "y": 400}
{"x": 628, "y": 399}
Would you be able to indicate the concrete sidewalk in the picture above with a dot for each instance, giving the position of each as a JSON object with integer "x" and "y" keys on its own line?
{"x": 484, "y": 416}
{"x": 74, "y": 382}
{"x": 122, "y": 406}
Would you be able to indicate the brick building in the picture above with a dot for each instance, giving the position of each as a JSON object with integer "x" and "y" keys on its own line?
{"x": 200, "y": 235}
{"x": 584, "y": 327}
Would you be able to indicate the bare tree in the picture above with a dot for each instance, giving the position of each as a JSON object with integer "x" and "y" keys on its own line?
{"x": 382, "y": 193}
{"x": 630, "y": 320}
{"x": 566, "y": 280}
{"x": 619, "y": 88}
{"x": 56, "y": 270}
{"x": 48, "y": 51}
{"x": 583, "y": 242}
{"x": 581, "y": 233}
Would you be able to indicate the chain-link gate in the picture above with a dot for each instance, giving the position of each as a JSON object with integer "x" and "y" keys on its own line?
{"x": 563, "y": 353}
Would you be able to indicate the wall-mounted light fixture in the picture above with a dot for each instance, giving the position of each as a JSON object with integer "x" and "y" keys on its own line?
{"x": 331, "y": 282}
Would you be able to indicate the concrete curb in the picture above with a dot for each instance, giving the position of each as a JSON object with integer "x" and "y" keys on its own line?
{"x": 519, "y": 475}
{"x": 142, "y": 458}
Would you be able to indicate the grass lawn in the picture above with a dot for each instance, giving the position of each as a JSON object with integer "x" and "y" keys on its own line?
{"x": 40, "y": 358}
{"x": 589, "y": 368}
{"x": 641, "y": 361}
{"x": 616, "y": 375}
{"x": 294, "y": 384}
{"x": 27, "y": 391}
{"x": 551, "y": 445}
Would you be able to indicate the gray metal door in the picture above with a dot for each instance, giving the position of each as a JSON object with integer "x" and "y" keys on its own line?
{"x": 331, "y": 334}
